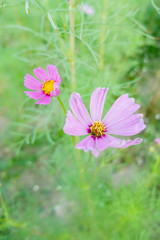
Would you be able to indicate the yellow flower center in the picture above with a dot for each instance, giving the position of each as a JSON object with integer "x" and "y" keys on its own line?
{"x": 48, "y": 87}
{"x": 97, "y": 129}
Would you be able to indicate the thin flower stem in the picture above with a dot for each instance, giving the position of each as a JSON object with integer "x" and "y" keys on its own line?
{"x": 72, "y": 44}
{"x": 73, "y": 86}
{"x": 97, "y": 171}
{"x": 85, "y": 185}
{"x": 4, "y": 207}
{"x": 15, "y": 224}
{"x": 93, "y": 224}
{"x": 102, "y": 37}
{"x": 62, "y": 105}
{"x": 103, "y": 163}
{"x": 76, "y": 3}
{"x": 89, "y": 161}
{"x": 8, "y": 220}
{"x": 79, "y": 160}
{"x": 154, "y": 171}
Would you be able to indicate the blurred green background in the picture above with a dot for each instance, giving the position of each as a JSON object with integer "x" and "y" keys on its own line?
{"x": 117, "y": 47}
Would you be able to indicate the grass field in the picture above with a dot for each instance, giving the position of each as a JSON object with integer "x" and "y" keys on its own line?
{"x": 48, "y": 191}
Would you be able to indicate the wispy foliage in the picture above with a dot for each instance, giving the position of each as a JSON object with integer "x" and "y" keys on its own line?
{"x": 117, "y": 47}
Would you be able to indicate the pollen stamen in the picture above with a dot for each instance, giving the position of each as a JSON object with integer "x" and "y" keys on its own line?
{"x": 48, "y": 87}
{"x": 97, "y": 129}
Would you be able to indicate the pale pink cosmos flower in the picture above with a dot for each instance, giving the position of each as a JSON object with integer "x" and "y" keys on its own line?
{"x": 46, "y": 87}
{"x": 119, "y": 120}
{"x": 157, "y": 141}
{"x": 87, "y": 9}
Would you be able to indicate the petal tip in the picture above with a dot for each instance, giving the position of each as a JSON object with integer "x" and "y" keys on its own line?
{"x": 51, "y": 65}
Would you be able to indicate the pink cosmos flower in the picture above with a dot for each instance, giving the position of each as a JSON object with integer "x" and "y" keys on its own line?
{"x": 157, "y": 141}
{"x": 87, "y": 9}
{"x": 47, "y": 87}
{"x": 119, "y": 120}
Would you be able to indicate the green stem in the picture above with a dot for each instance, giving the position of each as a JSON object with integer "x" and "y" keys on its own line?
{"x": 72, "y": 44}
{"x": 93, "y": 222}
{"x": 15, "y": 224}
{"x": 85, "y": 185}
{"x": 4, "y": 207}
{"x": 76, "y": 3}
{"x": 62, "y": 105}
{"x": 8, "y": 220}
{"x": 77, "y": 152}
{"x": 155, "y": 170}
{"x": 89, "y": 161}
{"x": 79, "y": 160}
{"x": 103, "y": 163}
{"x": 102, "y": 37}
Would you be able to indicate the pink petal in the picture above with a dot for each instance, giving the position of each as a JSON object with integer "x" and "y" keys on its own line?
{"x": 128, "y": 126}
{"x": 157, "y": 141}
{"x": 95, "y": 152}
{"x": 53, "y": 73}
{"x": 102, "y": 143}
{"x": 109, "y": 141}
{"x": 34, "y": 95}
{"x": 44, "y": 100}
{"x": 121, "y": 108}
{"x": 79, "y": 109}
{"x": 73, "y": 126}
{"x": 32, "y": 83}
{"x": 41, "y": 74}
{"x": 87, "y": 144}
{"x": 56, "y": 90}
{"x": 87, "y": 9}
{"x": 97, "y": 103}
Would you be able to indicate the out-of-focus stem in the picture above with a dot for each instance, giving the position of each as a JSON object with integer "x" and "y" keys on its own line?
{"x": 72, "y": 44}
{"x": 89, "y": 161}
{"x": 5, "y": 210}
{"x": 155, "y": 170}
{"x": 102, "y": 37}
{"x": 103, "y": 163}
{"x": 77, "y": 3}
{"x": 82, "y": 173}
{"x": 86, "y": 186}
{"x": 62, "y": 105}
{"x": 79, "y": 162}
{"x": 8, "y": 220}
